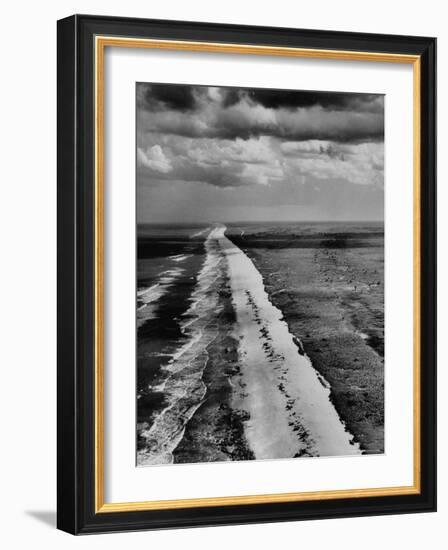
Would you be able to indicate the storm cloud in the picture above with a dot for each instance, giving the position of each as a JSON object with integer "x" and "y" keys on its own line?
{"x": 234, "y": 138}
{"x": 158, "y": 97}
{"x": 194, "y": 111}
{"x": 292, "y": 99}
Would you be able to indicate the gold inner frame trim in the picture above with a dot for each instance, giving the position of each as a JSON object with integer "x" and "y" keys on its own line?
{"x": 101, "y": 42}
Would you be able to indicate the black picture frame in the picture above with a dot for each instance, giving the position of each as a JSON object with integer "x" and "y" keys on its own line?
{"x": 76, "y": 285}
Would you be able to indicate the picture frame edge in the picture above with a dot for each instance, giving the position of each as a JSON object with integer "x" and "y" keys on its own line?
{"x": 75, "y": 476}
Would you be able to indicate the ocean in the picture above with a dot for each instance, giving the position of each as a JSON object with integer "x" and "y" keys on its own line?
{"x": 259, "y": 341}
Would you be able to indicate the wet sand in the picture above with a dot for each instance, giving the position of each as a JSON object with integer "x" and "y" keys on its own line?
{"x": 216, "y": 431}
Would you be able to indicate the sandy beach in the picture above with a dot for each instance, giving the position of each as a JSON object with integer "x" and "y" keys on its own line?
{"x": 290, "y": 413}
{"x": 328, "y": 281}
{"x": 241, "y": 387}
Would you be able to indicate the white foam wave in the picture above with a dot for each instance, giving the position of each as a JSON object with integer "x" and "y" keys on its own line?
{"x": 147, "y": 298}
{"x": 179, "y": 257}
{"x": 183, "y": 387}
{"x": 200, "y": 233}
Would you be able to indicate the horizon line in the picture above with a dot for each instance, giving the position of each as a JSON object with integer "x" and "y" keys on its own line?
{"x": 257, "y": 221}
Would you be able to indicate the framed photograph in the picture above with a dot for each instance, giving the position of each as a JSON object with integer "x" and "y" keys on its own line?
{"x": 246, "y": 271}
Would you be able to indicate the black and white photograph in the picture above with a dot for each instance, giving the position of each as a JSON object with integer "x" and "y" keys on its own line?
{"x": 223, "y": 278}
{"x": 260, "y": 274}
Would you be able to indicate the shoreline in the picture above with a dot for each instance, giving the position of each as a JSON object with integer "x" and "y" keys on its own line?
{"x": 262, "y": 373}
{"x": 181, "y": 385}
{"x": 215, "y": 433}
{"x": 262, "y": 391}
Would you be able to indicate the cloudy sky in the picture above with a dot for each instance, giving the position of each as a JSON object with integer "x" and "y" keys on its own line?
{"x": 232, "y": 154}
